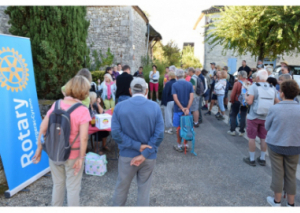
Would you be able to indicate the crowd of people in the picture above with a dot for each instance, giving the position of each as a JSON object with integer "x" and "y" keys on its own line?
{"x": 138, "y": 127}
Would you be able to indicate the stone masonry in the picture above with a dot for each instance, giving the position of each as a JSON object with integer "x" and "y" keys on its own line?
{"x": 122, "y": 29}
{"x": 4, "y": 26}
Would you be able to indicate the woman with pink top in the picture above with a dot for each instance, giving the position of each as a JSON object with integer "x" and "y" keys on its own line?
{"x": 69, "y": 174}
{"x": 109, "y": 90}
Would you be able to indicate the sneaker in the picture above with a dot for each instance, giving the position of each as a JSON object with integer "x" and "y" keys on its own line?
{"x": 261, "y": 162}
{"x": 204, "y": 108}
{"x": 187, "y": 148}
{"x": 169, "y": 131}
{"x": 221, "y": 117}
{"x": 247, "y": 161}
{"x": 157, "y": 100}
{"x": 196, "y": 125}
{"x": 218, "y": 114}
{"x": 207, "y": 113}
{"x": 178, "y": 149}
{"x": 241, "y": 134}
{"x": 288, "y": 205}
{"x": 200, "y": 122}
{"x": 231, "y": 133}
{"x": 271, "y": 201}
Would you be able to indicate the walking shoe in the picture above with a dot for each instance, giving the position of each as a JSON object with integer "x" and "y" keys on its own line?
{"x": 207, "y": 113}
{"x": 196, "y": 125}
{"x": 200, "y": 121}
{"x": 187, "y": 148}
{"x": 288, "y": 205}
{"x": 157, "y": 100}
{"x": 221, "y": 117}
{"x": 247, "y": 161}
{"x": 204, "y": 108}
{"x": 169, "y": 131}
{"x": 218, "y": 114}
{"x": 261, "y": 162}
{"x": 231, "y": 133}
{"x": 178, "y": 149}
{"x": 271, "y": 201}
{"x": 241, "y": 134}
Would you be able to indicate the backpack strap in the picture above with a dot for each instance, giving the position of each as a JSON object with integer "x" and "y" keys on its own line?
{"x": 57, "y": 105}
{"x": 257, "y": 84}
{"x": 73, "y": 107}
{"x": 74, "y": 142}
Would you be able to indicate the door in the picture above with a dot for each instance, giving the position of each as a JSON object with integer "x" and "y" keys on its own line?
{"x": 232, "y": 62}
{"x": 269, "y": 62}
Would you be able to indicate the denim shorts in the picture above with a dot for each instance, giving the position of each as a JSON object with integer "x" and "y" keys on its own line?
{"x": 176, "y": 118}
{"x": 221, "y": 102}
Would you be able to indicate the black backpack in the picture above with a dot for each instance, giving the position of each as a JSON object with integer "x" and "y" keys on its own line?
{"x": 57, "y": 144}
{"x": 231, "y": 82}
{"x": 200, "y": 88}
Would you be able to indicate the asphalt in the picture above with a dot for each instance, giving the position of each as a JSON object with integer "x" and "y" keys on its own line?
{"x": 217, "y": 176}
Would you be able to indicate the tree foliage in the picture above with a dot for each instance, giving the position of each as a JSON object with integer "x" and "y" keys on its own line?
{"x": 106, "y": 60}
{"x": 171, "y": 52}
{"x": 58, "y": 42}
{"x": 189, "y": 59}
{"x": 264, "y": 31}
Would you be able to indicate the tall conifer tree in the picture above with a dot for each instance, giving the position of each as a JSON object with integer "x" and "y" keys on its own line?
{"x": 58, "y": 42}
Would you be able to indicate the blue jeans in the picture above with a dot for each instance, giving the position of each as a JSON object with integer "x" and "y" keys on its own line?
{"x": 123, "y": 98}
{"x": 221, "y": 102}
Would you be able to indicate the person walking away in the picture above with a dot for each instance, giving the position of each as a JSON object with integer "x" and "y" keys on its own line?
{"x": 123, "y": 84}
{"x": 166, "y": 78}
{"x": 195, "y": 105}
{"x": 208, "y": 88}
{"x": 168, "y": 101}
{"x": 212, "y": 74}
{"x": 69, "y": 174}
{"x": 260, "y": 97}
{"x": 138, "y": 128}
{"x": 220, "y": 88}
{"x": 183, "y": 94}
{"x": 87, "y": 74}
{"x": 204, "y": 83}
{"x": 236, "y": 105}
{"x": 244, "y": 67}
{"x": 94, "y": 109}
{"x": 283, "y": 144}
{"x": 214, "y": 97}
{"x": 119, "y": 68}
{"x": 154, "y": 82}
{"x": 115, "y": 72}
{"x": 139, "y": 72}
{"x": 108, "y": 91}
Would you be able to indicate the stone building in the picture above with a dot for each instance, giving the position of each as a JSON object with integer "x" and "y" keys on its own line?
{"x": 125, "y": 29}
{"x": 232, "y": 60}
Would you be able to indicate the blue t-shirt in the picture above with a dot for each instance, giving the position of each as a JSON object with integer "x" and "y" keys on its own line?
{"x": 182, "y": 89}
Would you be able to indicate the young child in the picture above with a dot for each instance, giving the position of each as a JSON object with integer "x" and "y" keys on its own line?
{"x": 86, "y": 73}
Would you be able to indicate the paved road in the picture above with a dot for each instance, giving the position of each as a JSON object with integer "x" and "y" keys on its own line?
{"x": 216, "y": 177}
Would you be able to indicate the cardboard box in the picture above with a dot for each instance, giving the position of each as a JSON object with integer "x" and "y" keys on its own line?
{"x": 103, "y": 121}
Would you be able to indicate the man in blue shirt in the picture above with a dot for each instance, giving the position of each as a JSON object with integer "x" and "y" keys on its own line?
{"x": 138, "y": 128}
{"x": 183, "y": 95}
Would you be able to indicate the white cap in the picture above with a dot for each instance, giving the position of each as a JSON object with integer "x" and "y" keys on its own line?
{"x": 179, "y": 73}
{"x": 138, "y": 85}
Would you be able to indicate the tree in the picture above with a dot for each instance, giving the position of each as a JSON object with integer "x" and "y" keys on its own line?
{"x": 158, "y": 53}
{"x": 172, "y": 53}
{"x": 189, "y": 59}
{"x": 58, "y": 42}
{"x": 264, "y": 31}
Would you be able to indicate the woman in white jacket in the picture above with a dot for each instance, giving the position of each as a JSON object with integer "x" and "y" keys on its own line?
{"x": 109, "y": 90}
{"x": 220, "y": 92}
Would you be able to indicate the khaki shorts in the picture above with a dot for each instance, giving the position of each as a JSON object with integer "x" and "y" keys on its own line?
{"x": 195, "y": 104}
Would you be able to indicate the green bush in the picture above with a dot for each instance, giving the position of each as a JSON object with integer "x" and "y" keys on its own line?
{"x": 98, "y": 75}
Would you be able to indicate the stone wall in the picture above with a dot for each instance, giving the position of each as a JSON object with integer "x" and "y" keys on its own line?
{"x": 4, "y": 26}
{"x": 117, "y": 27}
{"x": 2, "y": 175}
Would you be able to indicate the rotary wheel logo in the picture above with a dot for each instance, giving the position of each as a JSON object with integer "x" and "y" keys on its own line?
{"x": 13, "y": 70}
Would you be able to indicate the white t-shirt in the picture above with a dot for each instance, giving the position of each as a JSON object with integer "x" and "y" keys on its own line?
{"x": 154, "y": 78}
{"x": 120, "y": 72}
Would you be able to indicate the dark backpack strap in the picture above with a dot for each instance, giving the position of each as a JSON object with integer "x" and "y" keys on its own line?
{"x": 74, "y": 142}
{"x": 57, "y": 105}
{"x": 73, "y": 107}
{"x": 257, "y": 84}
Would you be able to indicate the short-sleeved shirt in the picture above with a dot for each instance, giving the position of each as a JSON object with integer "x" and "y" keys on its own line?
{"x": 254, "y": 91}
{"x": 79, "y": 116}
{"x": 182, "y": 89}
{"x": 194, "y": 83}
{"x": 85, "y": 102}
{"x": 246, "y": 68}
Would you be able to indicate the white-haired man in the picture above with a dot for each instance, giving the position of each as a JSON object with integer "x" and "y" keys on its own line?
{"x": 183, "y": 95}
{"x": 138, "y": 128}
{"x": 260, "y": 97}
{"x": 270, "y": 71}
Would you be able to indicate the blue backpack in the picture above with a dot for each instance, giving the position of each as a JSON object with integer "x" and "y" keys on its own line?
{"x": 187, "y": 130}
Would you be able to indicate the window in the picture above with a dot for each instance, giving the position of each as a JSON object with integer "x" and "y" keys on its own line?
{"x": 192, "y": 44}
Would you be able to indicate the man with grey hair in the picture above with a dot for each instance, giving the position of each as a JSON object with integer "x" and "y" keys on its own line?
{"x": 236, "y": 106}
{"x": 183, "y": 95}
{"x": 195, "y": 105}
{"x": 138, "y": 128}
{"x": 270, "y": 71}
{"x": 260, "y": 97}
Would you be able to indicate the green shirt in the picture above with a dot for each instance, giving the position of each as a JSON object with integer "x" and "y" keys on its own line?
{"x": 85, "y": 102}
{"x": 194, "y": 83}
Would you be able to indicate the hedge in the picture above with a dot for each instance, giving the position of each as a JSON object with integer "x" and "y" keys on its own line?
{"x": 98, "y": 75}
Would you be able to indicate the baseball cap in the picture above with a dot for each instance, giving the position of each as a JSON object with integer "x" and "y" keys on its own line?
{"x": 138, "y": 85}
{"x": 213, "y": 63}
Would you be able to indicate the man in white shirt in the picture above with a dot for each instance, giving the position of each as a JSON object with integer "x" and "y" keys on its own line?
{"x": 119, "y": 68}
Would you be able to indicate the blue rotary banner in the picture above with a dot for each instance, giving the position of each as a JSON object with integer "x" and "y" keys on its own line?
{"x": 20, "y": 115}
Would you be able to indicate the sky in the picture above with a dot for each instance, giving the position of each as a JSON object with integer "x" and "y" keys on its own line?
{"x": 174, "y": 21}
